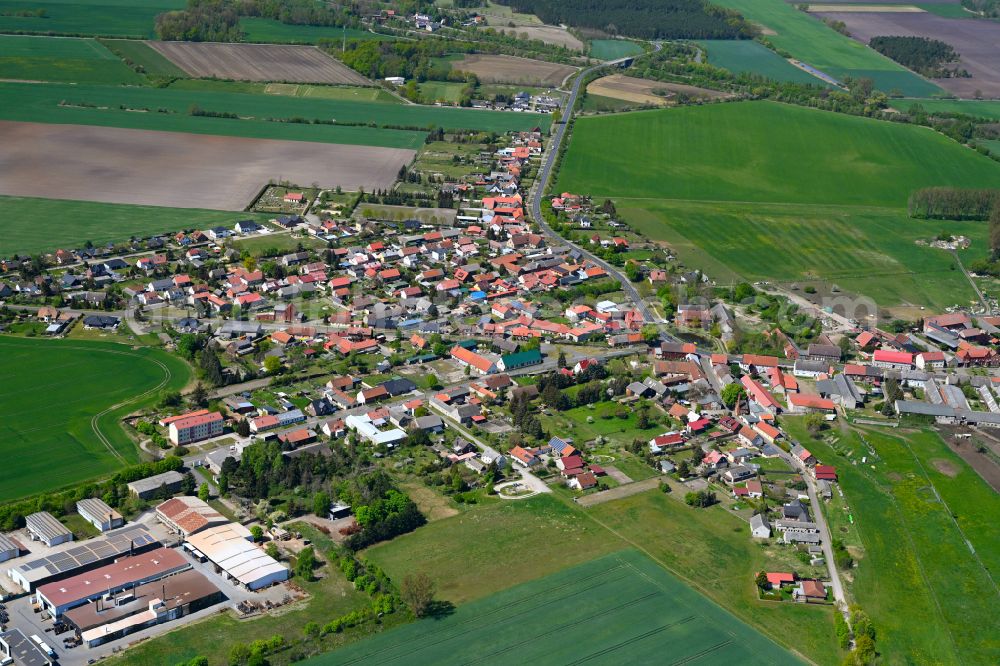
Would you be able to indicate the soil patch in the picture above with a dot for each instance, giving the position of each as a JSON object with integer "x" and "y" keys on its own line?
{"x": 258, "y": 62}
{"x": 173, "y": 169}
{"x": 511, "y": 69}
{"x": 946, "y": 467}
{"x": 644, "y": 91}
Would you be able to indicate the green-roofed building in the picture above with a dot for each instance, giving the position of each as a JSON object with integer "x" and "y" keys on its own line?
{"x": 519, "y": 360}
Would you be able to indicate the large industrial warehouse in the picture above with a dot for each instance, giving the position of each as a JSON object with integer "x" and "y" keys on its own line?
{"x": 60, "y": 596}
{"x": 228, "y": 547}
{"x": 189, "y": 515}
{"x": 83, "y": 556}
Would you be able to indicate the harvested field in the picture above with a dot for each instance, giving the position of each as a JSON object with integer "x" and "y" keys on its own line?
{"x": 550, "y": 34}
{"x": 258, "y": 62}
{"x": 176, "y": 170}
{"x": 975, "y": 40}
{"x": 643, "y": 91}
{"x": 511, "y": 69}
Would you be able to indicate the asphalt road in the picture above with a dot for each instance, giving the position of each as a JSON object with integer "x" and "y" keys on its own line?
{"x": 535, "y": 205}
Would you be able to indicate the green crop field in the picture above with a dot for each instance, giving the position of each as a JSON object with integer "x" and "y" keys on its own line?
{"x": 612, "y": 49}
{"x": 916, "y": 505}
{"x": 863, "y": 250}
{"x": 271, "y": 31}
{"x": 169, "y": 110}
{"x": 106, "y": 18}
{"x": 143, "y": 55}
{"x": 34, "y": 225}
{"x": 59, "y": 408}
{"x": 973, "y": 107}
{"x": 764, "y": 152}
{"x": 955, "y": 10}
{"x": 731, "y": 186}
{"x": 744, "y": 55}
{"x": 812, "y": 42}
{"x": 62, "y": 59}
{"x": 556, "y": 534}
{"x": 618, "y": 609}
{"x": 353, "y": 93}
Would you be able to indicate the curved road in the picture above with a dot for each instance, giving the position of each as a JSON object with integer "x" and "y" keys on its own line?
{"x": 538, "y": 191}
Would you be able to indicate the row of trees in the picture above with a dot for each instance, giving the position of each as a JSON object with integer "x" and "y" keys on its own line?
{"x": 988, "y": 8}
{"x": 649, "y": 19}
{"x": 218, "y": 20}
{"x": 952, "y": 203}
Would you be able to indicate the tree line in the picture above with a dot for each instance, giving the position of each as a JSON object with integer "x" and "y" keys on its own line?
{"x": 648, "y": 19}
{"x": 987, "y": 8}
{"x": 218, "y": 20}
{"x": 952, "y": 203}
{"x": 921, "y": 54}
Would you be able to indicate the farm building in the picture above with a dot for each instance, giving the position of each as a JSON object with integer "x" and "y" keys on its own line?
{"x": 20, "y": 649}
{"x": 83, "y": 556}
{"x": 99, "y": 514}
{"x": 189, "y": 515}
{"x": 147, "y": 488}
{"x": 151, "y": 603}
{"x": 109, "y": 580}
{"x": 44, "y": 527}
{"x": 8, "y": 549}
{"x": 228, "y": 547}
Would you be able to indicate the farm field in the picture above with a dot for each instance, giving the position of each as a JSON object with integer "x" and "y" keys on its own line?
{"x": 117, "y": 165}
{"x": 644, "y": 91}
{"x": 269, "y": 30}
{"x": 99, "y": 105}
{"x": 915, "y": 503}
{"x": 612, "y": 49}
{"x": 63, "y": 59}
{"x": 258, "y": 62}
{"x": 809, "y": 40}
{"x": 143, "y": 55}
{"x": 621, "y": 608}
{"x": 443, "y": 91}
{"x": 102, "y": 18}
{"x": 30, "y": 225}
{"x": 744, "y": 55}
{"x": 976, "y": 41}
{"x": 81, "y": 438}
{"x": 978, "y": 108}
{"x": 511, "y": 69}
{"x": 863, "y": 250}
{"x": 560, "y": 535}
{"x": 764, "y": 152}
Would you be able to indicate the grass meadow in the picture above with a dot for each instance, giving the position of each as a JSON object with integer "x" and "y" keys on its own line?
{"x": 621, "y": 608}
{"x": 812, "y": 42}
{"x": 612, "y": 49}
{"x": 28, "y": 223}
{"x": 441, "y": 91}
{"x": 744, "y": 55}
{"x": 917, "y": 507}
{"x": 105, "y": 18}
{"x": 55, "y": 393}
{"x": 72, "y": 60}
{"x": 168, "y": 109}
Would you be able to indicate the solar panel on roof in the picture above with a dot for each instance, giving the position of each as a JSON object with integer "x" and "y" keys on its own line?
{"x": 87, "y": 558}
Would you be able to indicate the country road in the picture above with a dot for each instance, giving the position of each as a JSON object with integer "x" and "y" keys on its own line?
{"x": 542, "y": 182}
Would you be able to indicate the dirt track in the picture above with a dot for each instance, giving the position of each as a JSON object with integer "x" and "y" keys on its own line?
{"x": 511, "y": 69}
{"x": 174, "y": 169}
{"x": 258, "y": 62}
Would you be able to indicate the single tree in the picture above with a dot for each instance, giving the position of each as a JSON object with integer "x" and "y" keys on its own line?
{"x": 203, "y": 492}
{"x": 417, "y": 592}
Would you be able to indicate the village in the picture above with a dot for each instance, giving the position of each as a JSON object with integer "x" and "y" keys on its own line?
{"x": 469, "y": 345}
